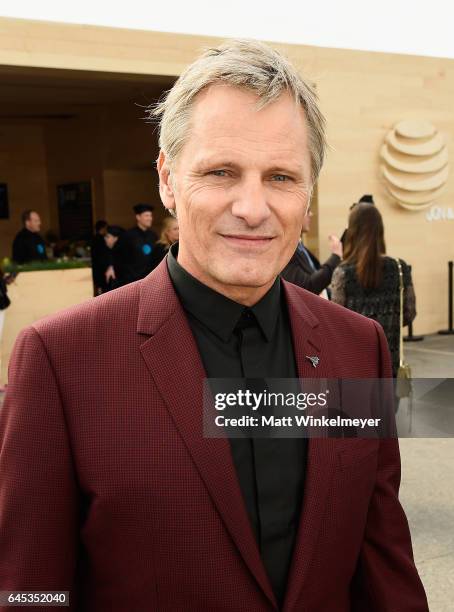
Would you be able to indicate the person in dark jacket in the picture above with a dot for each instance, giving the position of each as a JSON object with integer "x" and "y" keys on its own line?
{"x": 305, "y": 270}
{"x": 136, "y": 256}
{"x": 113, "y": 234}
{"x": 5, "y": 279}
{"x": 28, "y": 245}
{"x": 101, "y": 258}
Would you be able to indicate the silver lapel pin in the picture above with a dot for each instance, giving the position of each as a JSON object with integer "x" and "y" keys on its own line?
{"x": 313, "y": 359}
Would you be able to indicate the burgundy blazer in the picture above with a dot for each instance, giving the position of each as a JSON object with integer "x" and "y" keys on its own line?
{"x": 109, "y": 490}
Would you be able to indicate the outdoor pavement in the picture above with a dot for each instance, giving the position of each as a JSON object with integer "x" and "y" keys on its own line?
{"x": 427, "y": 490}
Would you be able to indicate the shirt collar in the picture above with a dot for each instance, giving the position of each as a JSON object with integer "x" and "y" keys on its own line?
{"x": 216, "y": 311}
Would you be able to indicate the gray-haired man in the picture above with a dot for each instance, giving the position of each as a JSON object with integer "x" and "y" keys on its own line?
{"x": 108, "y": 486}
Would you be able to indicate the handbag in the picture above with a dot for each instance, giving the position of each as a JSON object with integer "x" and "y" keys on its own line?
{"x": 4, "y": 299}
{"x": 403, "y": 381}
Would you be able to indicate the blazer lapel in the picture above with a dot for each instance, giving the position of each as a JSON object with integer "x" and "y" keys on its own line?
{"x": 173, "y": 359}
{"x": 322, "y": 453}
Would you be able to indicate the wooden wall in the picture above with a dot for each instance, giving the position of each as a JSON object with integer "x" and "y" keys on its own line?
{"x": 110, "y": 146}
{"x": 362, "y": 94}
{"x": 23, "y": 169}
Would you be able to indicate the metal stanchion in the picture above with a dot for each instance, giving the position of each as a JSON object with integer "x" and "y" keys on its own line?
{"x": 450, "y": 330}
{"x": 410, "y": 337}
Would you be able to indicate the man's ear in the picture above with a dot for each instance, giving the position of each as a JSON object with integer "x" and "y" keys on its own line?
{"x": 165, "y": 183}
{"x": 309, "y": 201}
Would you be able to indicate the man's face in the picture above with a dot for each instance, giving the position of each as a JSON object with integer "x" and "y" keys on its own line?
{"x": 145, "y": 219}
{"x": 33, "y": 223}
{"x": 110, "y": 240}
{"x": 240, "y": 188}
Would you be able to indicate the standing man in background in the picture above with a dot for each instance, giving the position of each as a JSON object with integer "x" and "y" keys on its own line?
{"x": 28, "y": 244}
{"x": 136, "y": 248}
{"x": 305, "y": 270}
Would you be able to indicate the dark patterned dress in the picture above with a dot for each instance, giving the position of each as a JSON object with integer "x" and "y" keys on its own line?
{"x": 381, "y": 304}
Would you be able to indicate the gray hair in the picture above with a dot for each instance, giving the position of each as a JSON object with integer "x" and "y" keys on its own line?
{"x": 251, "y": 65}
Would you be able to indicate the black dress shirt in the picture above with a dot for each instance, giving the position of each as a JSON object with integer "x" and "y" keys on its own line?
{"x": 134, "y": 256}
{"x": 240, "y": 342}
{"x": 28, "y": 246}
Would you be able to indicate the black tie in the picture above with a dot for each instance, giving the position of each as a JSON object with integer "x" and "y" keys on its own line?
{"x": 266, "y": 453}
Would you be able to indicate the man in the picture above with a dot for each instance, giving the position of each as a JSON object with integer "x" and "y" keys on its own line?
{"x": 109, "y": 488}
{"x": 305, "y": 270}
{"x": 135, "y": 256}
{"x": 28, "y": 245}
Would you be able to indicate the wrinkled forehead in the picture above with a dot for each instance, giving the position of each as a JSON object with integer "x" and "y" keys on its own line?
{"x": 221, "y": 103}
{"x": 224, "y": 117}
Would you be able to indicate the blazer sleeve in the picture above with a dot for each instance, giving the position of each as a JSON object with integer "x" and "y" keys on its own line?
{"x": 314, "y": 282}
{"x": 386, "y": 577}
{"x": 38, "y": 487}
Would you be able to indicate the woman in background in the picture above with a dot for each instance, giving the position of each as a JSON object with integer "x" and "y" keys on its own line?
{"x": 169, "y": 235}
{"x": 169, "y": 232}
{"x": 367, "y": 281}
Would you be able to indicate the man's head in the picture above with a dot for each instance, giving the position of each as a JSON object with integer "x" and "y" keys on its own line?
{"x": 144, "y": 215}
{"x": 242, "y": 142}
{"x": 31, "y": 220}
{"x": 101, "y": 227}
{"x": 113, "y": 233}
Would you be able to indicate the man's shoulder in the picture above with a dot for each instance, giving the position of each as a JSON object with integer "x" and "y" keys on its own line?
{"x": 356, "y": 345}
{"x": 20, "y": 234}
{"x": 331, "y": 316}
{"x": 131, "y": 233}
{"x": 102, "y": 314}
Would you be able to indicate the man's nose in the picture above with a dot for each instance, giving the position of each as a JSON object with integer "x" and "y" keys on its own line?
{"x": 250, "y": 202}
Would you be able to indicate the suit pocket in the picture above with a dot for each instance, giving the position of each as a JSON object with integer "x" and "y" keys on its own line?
{"x": 358, "y": 452}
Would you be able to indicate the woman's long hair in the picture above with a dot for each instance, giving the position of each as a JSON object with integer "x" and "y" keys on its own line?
{"x": 164, "y": 238}
{"x": 365, "y": 244}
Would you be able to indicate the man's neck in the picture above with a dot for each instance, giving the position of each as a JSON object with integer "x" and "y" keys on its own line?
{"x": 247, "y": 296}
{"x": 144, "y": 228}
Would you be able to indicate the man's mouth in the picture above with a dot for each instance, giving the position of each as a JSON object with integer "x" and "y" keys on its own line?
{"x": 248, "y": 240}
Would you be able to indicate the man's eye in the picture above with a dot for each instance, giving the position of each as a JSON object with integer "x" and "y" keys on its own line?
{"x": 218, "y": 172}
{"x": 281, "y": 178}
